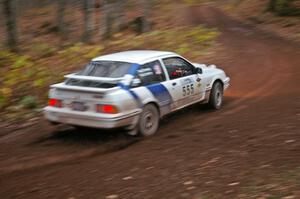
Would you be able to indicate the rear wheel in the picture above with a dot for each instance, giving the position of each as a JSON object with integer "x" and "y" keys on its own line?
{"x": 81, "y": 128}
{"x": 216, "y": 96}
{"x": 149, "y": 120}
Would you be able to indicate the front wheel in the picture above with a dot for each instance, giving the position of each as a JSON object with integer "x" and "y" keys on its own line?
{"x": 149, "y": 120}
{"x": 216, "y": 96}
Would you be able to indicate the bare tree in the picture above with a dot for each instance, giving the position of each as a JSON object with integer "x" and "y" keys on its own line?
{"x": 283, "y": 7}
{"x": 88, "y": 10}
{"x": 9, "y": 10}
{"x": 272, "y": 5}
{"x": 106, "y": 19}
{"x": 120, "y": 12}
{"x": 60, "y": 21}
{"x": 147, "y": 4}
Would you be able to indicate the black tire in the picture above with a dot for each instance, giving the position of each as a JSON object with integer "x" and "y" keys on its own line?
{"x": 149, "y": 121}
{"x": 216, "y": 96}
{"x": 81, "y": 129}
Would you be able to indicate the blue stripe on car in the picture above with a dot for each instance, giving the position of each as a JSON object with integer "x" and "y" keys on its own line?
{"x": 132, "y": 93}
{"x": 133, "y": 69}
{"x": 160, "y": 92}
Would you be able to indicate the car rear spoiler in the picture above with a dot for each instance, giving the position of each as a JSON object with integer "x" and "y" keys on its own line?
{"x": 95, "y": 79}
{"x": 63, "y": 86}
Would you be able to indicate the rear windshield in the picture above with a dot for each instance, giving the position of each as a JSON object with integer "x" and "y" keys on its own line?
{"x": 110, "y": 69}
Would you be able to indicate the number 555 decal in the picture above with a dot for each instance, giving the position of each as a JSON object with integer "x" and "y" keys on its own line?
{"x": 188, "y": 89}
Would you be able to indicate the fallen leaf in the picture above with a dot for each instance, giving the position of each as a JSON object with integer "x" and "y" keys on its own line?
{"x": 188, "y": 182}
{"x": 191, "y": 188}
{"x": 127, "y": 178}
{"x": 114, "y": 196}
{"x": 289, "y": 197}
{"x": 289, "y": 141}
{"x": 234, "y": 184}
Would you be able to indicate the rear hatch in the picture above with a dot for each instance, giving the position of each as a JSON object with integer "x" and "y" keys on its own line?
{"x": 84, "y": 93}
{"x": 84, "y": 90}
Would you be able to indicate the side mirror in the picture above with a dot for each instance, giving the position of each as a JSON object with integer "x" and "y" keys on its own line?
{"x": 136, "y": 82}
{"x": 198, "y": 70}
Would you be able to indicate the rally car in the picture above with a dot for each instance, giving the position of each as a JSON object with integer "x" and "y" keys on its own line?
{"x": 134, "y": 89}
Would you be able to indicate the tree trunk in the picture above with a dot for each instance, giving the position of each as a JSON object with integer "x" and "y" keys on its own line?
{"x": 60, "y": 21}
{"x": 88, "y": 8}
{"x": 106, "y": 24}
{"x": 9, "y": 10}
{"x": 120, "y": 19}
{"x": 272, "y": 5}
{"x": 146, "y": 15}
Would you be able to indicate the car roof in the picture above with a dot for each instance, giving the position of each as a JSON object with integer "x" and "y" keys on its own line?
{"x": 134, "y": 56}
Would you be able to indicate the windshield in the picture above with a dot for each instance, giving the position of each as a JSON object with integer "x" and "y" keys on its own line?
{"x": 110, "y": 69}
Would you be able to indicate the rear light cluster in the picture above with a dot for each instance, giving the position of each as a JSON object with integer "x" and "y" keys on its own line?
{"x": 55, "y": 103}
{"x": 106, "y": 108}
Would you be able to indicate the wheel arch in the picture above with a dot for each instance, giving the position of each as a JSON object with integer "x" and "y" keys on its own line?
{"x": 156, "y": 105}
{"x": 218, "y": 80}
{"x": 207, "y": 92}
{"x": 212, "y": 101}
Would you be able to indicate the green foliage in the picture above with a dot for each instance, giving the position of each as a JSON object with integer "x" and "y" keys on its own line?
{"x": 20, "y": 77}
{"x": 6, "y": 57}
{"x": 283, "y": 7}
{"x": 272, "y": 187}
{"x": 92, "y": 52}
{"x": 274, "y": 197}
{"x": 203, "y": 36}
{"x": 185, "y": 41}
{"x": 5, "y": 93}
{"x": 79, "y": 50}
{"x": 39, "y": 82}
{"x": 183, "y": 48}
{"x": 43, "y": 50}
{"x": 29, "y": 102}
{"x": 22, "y": 61}
{"x": 2, "y": 101}
{"x": 196, "y": 1}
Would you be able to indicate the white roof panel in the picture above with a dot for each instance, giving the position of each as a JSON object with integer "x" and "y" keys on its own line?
{"x": 135, "y": 56}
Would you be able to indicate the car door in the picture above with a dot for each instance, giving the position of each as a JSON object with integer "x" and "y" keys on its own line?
{"x": 184, "y": 84}
{"x": 152, "y": 85}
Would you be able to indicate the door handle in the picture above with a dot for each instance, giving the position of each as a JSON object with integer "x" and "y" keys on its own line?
{"x": 174, "y": 83}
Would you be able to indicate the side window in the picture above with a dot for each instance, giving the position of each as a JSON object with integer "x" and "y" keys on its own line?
{"x": 151, "y": 73}
{"x": 178, "y": 67}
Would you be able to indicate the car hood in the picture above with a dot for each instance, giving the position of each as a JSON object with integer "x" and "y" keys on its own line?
{"x": 207, "y": 68}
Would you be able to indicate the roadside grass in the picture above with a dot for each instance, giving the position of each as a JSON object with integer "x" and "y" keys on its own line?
{"x": 195, "y": 2}
{"x": 285, "y": 21}
{"x": 281, "y": 186}
{"x": 27, "y": 75}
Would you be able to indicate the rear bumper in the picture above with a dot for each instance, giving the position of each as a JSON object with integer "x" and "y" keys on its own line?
{"x": 88, "y": 119}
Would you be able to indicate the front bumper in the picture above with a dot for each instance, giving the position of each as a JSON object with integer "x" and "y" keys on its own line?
{"x": 90, "y": 119}
{"x": 226, "y": 83}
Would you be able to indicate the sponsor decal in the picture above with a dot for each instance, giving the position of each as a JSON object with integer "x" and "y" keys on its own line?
{"x": 157, "y": 69}
{"x": 187, "y": 81}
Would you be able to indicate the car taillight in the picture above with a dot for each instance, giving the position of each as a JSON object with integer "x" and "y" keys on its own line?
{"x": 55, "y": 103}
{"x": 106, "y": 108}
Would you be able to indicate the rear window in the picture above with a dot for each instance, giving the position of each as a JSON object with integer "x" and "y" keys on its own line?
{"x": 151, "y": 73}
{"x": 110, "y": 69}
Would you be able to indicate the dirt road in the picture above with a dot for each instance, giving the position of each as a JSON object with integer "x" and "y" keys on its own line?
{"x": 249, "y": 149}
